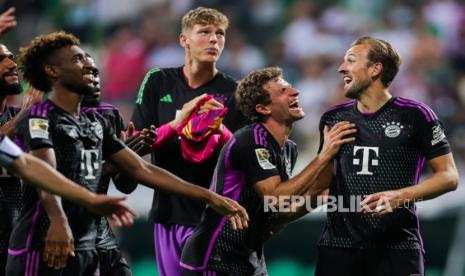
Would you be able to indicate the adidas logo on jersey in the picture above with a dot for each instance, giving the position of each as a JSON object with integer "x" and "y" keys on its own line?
{"x": 392, "y": 129}
{"x": 166, "y": 99}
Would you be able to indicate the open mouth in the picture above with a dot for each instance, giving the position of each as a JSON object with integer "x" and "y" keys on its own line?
{"x": 347, "y": 80}
{"x": 294, "y": 105}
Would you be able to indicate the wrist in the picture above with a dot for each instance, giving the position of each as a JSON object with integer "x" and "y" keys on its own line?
{"x": 58, "y": 219}
{"x": 323, "y": 158}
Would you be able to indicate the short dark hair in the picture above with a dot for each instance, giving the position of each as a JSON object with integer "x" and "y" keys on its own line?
{"x": 38, "y": 53}
{"x": 250, "y": 91}
{"x": 382, "y": 51}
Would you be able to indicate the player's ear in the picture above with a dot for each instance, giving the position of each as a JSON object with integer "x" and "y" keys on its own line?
{"x": 377, "y": 68}
{"x": 51, "y": 71}
{"x": 262, "y": 109}
{"x": 183, "y": 40}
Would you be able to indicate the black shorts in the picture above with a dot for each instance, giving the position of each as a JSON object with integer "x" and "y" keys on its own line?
{"x": 85, "y": 263}
{"x": 112, "y": 263}
{"x": 369, "y": 262}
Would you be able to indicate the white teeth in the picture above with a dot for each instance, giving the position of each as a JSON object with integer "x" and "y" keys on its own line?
{"x": 347, "y": 79}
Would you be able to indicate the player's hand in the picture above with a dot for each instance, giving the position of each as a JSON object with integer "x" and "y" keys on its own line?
{"x": 31, "y": 97}
{"x": 59, "y": 244}
{"x": 335, "y": 137}
{"x": 211, "y": 104}
{"x": 113, "y": 208}
{"x": 7, "y": 21}
{"x": 186, "y": 110}
{"x": 140, "y": 141}
{"x": 227, "y": 207}
{"x": 382, "y": 203}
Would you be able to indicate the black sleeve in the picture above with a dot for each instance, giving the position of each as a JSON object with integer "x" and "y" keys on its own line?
{"x": 111, "y": 144}
{"x": 145, "y": 113}
{"x": 119, "y": 123}
{"x": 430, "y": 136}
{"x": 256, "y": 161}
{"x": 34, "y": 132}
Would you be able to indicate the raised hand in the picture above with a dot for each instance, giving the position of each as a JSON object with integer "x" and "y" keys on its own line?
{"x": 7, "y": 21}
{"x": 186, "y": 110}
{"x": 210, "y": 105}
{"x": 140, "y": 141}
{"x": 31, "y": 97}
{"x": 335, "y": 137}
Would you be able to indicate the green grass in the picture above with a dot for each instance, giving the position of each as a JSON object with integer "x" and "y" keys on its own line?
{"x": 285, "y": 267}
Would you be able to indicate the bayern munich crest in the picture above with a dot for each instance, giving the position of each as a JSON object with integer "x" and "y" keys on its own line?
{"x": 392, "y": 129}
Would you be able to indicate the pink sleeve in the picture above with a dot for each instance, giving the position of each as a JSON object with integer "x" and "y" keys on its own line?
{"x": 225, "y": 136}
{"x": 165, "y": 132}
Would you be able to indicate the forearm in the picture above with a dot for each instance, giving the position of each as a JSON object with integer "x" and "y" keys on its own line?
{"x": 436, "y": 185}
{"x": 45, "y": 177}
{"x": 155, "y": 177}
{"x": 306, "y": 182}
{"x": 164, "y": 133}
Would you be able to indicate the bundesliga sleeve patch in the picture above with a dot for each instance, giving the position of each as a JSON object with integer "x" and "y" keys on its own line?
{"x": 263, "y": 158}
{"x": 438, "y": 135}
{"x": 38, "y": 128}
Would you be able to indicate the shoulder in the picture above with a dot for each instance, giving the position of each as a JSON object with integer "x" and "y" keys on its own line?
{"x": 228, "y": 79}
{"x": 40, "y": 112}
{"x": 152, "y": 81}
{"x": 227, "y": 82}
{"x": 417, "y": 108}
{"x": 14, "y": 108}
{"x": 104, "y": 109}
{"x": 338, "y": 109}
{"x": 253, "y": 135}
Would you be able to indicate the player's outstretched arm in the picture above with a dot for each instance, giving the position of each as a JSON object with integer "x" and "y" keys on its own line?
{"x": 143, "y": 172}
{"x": 306, "y": 181}
{"x": 444, "y": 179}
{"x": 38, "y": 173}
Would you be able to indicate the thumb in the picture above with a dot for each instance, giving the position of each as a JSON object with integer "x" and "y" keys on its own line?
{"x": 326, "y": 129}
{"x": 130, "y": 128}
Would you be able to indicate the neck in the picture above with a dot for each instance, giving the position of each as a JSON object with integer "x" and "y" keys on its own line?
{"x": 373, "y": 99}
{"x": 2, "y": 103}
{"x": 197, "y": 73}
{"x": 66, "y": 100}
{"x": 279, "y": 131}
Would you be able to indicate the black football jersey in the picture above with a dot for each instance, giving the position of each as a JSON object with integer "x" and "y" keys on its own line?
{"x": 105, "y": 237}
{"x": 162, "y": 93}
{"x": 80, "y": 144}
{"x": 250, "y": 156}
{"x": 389, "y": 152}
{"x": 10, "y": 191}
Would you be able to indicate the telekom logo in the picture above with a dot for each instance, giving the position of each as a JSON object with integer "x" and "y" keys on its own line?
{"x": 366, "y": 158}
